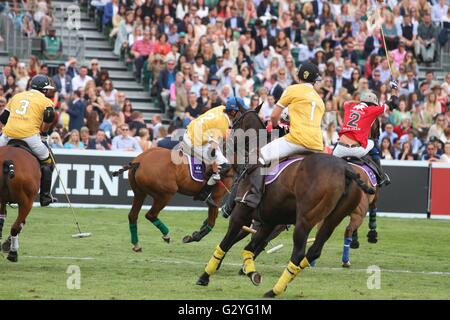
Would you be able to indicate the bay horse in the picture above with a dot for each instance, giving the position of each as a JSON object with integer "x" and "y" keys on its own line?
{"x": 20, "y": 177}
{"x": 161, "y": 173}
{"x": 308, "y": 191}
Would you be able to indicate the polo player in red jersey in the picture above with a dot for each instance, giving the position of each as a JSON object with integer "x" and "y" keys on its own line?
{"x": 358, "y": 120}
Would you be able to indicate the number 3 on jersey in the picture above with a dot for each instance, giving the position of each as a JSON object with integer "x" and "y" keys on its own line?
{"x": 22, "y": 110}
{"x": 354, "y": 118}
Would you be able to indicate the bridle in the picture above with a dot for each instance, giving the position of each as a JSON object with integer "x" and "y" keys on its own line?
{"x": 238, "y": 121}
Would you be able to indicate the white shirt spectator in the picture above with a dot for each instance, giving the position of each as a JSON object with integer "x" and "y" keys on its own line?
{"x": 305, "y": 53}
{"x": 125, "y": 144}
{"x": 78, "y": 82}
{"x": 439, "y": 11}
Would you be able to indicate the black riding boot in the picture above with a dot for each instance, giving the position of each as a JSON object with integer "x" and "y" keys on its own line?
{"x": 382, "y": 177}
{"x": 205, "y": 195}
{"x": 253, "y": 197}
{"x": 46, "y": 197}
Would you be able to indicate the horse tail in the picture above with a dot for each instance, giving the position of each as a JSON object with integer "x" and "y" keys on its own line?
{"x": 351, "y": 175}
{"x": 8, "y": 169}
{"x": 130, "y": 165}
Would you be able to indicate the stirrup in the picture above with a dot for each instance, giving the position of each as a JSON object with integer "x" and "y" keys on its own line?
{"x": 47, "y": 199}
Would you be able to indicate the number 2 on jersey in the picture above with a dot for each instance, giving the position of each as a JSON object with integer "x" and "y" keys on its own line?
{"x": 24, "y": 104}
{"x": 313, "y": 108}
{"x": 354, "y": 118}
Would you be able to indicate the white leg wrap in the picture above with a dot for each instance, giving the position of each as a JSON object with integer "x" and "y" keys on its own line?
{"x": 14, "y": 243}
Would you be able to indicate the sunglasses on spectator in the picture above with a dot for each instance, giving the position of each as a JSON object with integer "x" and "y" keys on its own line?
{"x": 125, "y": 129}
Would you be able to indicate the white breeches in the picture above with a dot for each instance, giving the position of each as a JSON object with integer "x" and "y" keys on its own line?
{"x": 34, "y": 142}
{"x": 358, "y": 152}
{"x": 204, "y": 152}
{"x": 279, "y": 148}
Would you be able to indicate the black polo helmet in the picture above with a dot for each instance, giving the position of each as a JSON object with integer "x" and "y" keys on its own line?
{"x": 309, "y": 72}
{"x": 41, "y": 83}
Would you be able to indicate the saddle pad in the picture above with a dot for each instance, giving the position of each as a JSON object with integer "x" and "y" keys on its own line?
{"x": 278, "y": 169}
{"x": 196, "y": 168}
{"x": 369, "y": 172}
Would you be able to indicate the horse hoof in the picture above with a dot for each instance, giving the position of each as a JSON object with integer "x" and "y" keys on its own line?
{"x": 354, "y": 244}
{"x": 255, "y": 277}
{"x": 188, "y": 239}
{"x": 203, "y": 280}
{"x": 6, "y": 245}
{"x": 13, "y": 256}
{"x": 372, "y": 236}
{"x": 166, "y": 239}
{"x": 346, "y": 264}
{"x": 270, "y": 294}
{"x": 136, "y": 248}
{"x": 241, "y": 271}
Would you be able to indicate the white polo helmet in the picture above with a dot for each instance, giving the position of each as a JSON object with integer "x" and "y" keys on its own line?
{"x": 369, "y": 97}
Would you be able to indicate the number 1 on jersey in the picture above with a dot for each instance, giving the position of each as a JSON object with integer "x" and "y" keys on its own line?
{"x": 313, "y": 108}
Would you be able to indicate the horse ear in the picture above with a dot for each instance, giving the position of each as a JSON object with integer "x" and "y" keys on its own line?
{"x": 258, "y": 108}
{"x": 241, "y": 108}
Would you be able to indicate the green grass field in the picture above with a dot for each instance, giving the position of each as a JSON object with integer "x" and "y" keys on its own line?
{"x": 413, "y": 255}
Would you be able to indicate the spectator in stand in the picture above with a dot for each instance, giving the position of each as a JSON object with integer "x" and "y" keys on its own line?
{"x": 446, "y": 156}
{"x": 22, "y": 76}
{"x": 386, "y": 149}
{"x": 74, "y": 141}
{"x": 55, "y": 141}
{"x": 427, "y": 33}
{"x": 80, "y": 80}
{"x": 431, "y": 153}
{"x": 99, "y": 142}
{"x": 95, "y": 70}
{"x": 398, "y": 55}
{"x": 125, "y": 114}
{"x": 388, "y": 133}
{"x": 193, "y": 110}
{"x": 42, "y": 17}
{"x": 110, "y": 124}
{"x": 76, "y": 111}
{"x": 166, "y": 78}
{"x": 71, "y": 67}
{"x": 421, "y": 118}
{"x": 51, "y": 46}
{"x": 108, "y": 92}
{"x": 63, "y": 82}
{"x": 437, "y": 129}
{"x": 403, "y": 128}
{"x": 110, "y": 9}
{"x": 399, "y": 114}
{"x": 84, "y": 136}
{"x": 124, "y": 142}
{"x": 170, "y": 140}
{"x": 140, "y": 51}
{"x": 143, "y": 138}
{"x": 137, "y": 123}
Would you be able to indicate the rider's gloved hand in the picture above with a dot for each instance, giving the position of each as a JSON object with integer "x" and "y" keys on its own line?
{"x": 394, "y": 85}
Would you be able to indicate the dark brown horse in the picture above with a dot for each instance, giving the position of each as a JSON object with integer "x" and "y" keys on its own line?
{"x": 161, "y": 173}
{"x": 307, "y": 192}
{"x": 19, "y": 183}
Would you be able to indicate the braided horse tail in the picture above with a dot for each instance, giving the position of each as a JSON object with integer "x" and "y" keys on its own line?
{"x": 130, "y": 165}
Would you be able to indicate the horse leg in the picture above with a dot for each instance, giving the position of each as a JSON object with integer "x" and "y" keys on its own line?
{"x": 356, "y": 219}
{"x": 323, "y": 234}
{"x": 298, "y": 260}
{"x": 372, "y": 235}
{"x": 152, "y": 215}
{"x": 241, "y": 217}
{"x": 2, "y": 217}
{"x": 355, "y": 242}
{"x": 206, "y": 227}
{"x": 24, "y": 210}
{"x": 260, "y": 239}
{"x": 138, "y": 201}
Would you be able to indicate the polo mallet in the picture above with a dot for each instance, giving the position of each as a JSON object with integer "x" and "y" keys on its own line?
{"x": 79, "y": 234}
{"x": 253, "y": 231}
{"x": 384, "y": 42}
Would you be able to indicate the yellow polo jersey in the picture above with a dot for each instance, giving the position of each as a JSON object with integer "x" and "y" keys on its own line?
{"x": 306, "y": 109}
{"x": 26, "y": 113}
{"x": 212, "y": 125}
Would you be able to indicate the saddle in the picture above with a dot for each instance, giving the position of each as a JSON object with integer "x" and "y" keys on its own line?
{"x": 23, "y": 145}
{"x": 198, "y": 170}
{"x": 369, "y": 166}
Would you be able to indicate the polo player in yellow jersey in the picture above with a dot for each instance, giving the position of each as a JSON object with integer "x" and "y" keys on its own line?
{"x": 26, "y": 115}
{"x": 204, "y": 136}
{"x": 306, "y": 109}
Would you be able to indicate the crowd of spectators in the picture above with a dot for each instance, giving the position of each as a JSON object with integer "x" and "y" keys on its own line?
{"x": 197, "y": 54}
